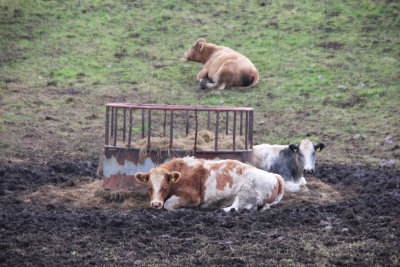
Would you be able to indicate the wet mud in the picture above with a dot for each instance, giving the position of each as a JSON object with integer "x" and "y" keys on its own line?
{"x": 44, "y": 221}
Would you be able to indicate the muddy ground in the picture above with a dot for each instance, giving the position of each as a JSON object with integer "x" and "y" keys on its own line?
{"x": 359, "y": 228}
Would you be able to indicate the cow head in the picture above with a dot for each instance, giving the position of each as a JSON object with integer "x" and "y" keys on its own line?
{"x": 159, "y": 184}
{"x": 306, "y": 154}
{"x": 196, "y": 52}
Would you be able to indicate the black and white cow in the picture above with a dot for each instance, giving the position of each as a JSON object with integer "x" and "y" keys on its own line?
{"x": 291, "y": 162}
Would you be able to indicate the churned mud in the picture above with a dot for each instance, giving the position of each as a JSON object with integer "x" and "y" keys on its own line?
{"x": 58, "y": 214}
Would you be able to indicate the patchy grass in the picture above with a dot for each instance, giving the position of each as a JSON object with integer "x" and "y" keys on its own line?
{"x": 329, "y": 70}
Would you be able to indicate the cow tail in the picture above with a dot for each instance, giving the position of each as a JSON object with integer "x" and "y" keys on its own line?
{"x": 280, "y": 191}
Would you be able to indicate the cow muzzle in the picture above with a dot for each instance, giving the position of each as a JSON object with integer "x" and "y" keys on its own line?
{"x": 308, "y": 171}
{"x": 156, "y": 204}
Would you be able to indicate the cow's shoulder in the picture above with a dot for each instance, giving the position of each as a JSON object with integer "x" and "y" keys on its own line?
{"x": 175, "y": 165}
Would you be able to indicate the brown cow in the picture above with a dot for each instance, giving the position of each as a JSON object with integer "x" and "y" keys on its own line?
{"x": 223, "y": 67}
{"x": 191, "y": 182}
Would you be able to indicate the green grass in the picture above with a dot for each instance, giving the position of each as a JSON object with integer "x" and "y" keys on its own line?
{"x": 314, "y": 58}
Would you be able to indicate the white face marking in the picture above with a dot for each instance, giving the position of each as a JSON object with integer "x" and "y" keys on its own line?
{"x": 156, "y": 179}
{"x": 306, "y": 148}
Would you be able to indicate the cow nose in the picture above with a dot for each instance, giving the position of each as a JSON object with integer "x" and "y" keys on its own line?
{"x": 308, "y": 171}
{"x": 156, "y": 204}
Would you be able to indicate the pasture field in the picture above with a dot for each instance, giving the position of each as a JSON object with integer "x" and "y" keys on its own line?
{"x": 329, "y": 71}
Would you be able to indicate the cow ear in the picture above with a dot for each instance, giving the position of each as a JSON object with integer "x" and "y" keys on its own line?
{"x": 201, "y": 47}
{"x": 294, "y": 148}
{"x": 318, "y": 147}
{"x": 142, "y": 178}
{"x": 173, "y": 177}
{"x": 200, "y": 40}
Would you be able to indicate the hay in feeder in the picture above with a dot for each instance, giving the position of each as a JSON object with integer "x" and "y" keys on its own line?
{"x": 205, "y": 141}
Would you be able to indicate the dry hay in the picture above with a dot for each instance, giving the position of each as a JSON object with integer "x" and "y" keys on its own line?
{"x": 89, "y": 194}
{"x": 205, "y": 141}
{"x": 328, "y": 194}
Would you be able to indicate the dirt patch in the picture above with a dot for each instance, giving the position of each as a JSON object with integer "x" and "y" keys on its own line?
{"x": 331, "y": 45}
{"x": 348, "y": 103}
{"x": 55, "y": 217}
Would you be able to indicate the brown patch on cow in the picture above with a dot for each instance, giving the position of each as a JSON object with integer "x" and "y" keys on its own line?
{"x": 274, "y": 192}
{"x": 223, "y": 175}
{"x": 191, "y": 186}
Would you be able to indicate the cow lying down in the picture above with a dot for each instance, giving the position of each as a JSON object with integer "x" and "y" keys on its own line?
{"x": 191, "y": 182}
{"x": 223, "y": 67}
{"x": 292, "y": 162}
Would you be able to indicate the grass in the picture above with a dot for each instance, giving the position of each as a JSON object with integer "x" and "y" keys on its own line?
{"x": 328, "y": 69}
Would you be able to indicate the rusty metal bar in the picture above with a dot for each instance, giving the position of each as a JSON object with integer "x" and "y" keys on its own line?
{"x": 124, "y": 127}
{"x": 208, "y": 120}
{"x": 246, "y": 131}
{"x": 171, "y": 130}
{"x": 112, "y": 127}
{"x": 216, "y": 131}
{"x": 234, "y": 131}
{"x": 226, "y": 123}
{"x": 115, "y": 126}
{"x": 241, "y": 123}
{"x": 187, "y": 122}
{"x": 165, "y": 122}
{"x": 143, "y": 119}
{"x": 130, "y": 128}
{"x": 195, "y": 133}
{"x": 251, "y": 129}
{"x": 178, "y": 107}
{"x": 112, "y": 121}
{"x": 107, "y": 126}
{"x": 149, "y": 129}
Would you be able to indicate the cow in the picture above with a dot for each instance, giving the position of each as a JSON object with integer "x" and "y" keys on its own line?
{"x": 223, "y": 67}
{"x": 192, "y": 182}
{"x": 291, "y": 162}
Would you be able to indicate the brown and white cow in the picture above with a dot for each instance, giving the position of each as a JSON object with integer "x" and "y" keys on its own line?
{"x": 223, "y": 67}
{"x": 292, "y": 162}
{"x": 191, "y": 182}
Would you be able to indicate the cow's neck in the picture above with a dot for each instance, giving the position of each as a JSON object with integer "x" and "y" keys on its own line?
{"x": 209, "y": 49}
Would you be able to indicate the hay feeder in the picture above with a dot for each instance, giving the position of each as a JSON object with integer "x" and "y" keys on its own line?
{"x": 139, "y": 137}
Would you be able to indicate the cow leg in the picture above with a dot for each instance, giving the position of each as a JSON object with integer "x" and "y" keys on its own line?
{"x": 216, "y": 85}
{"x": 266, "y": 207}
{"x": 300, "y": 188}
{"x": 235, "y": 205}
{"x": 222, "y": 86}
{"x": 295, "y": 187}
{"x": 203, "y": 73}
{"x": 306, "y": 190}
{"x": 173, "y": 203}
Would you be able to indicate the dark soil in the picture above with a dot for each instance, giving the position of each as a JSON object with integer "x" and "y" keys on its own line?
{"x": 363, "y": 230}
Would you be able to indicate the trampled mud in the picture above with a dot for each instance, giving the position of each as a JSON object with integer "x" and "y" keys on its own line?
{"x": 361, "y": 227}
